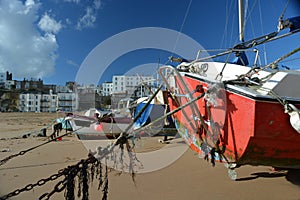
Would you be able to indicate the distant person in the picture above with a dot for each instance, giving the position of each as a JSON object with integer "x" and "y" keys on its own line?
{"x": 56, "y": 130}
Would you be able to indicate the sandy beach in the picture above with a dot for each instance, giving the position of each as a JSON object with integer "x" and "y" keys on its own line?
{"x": 187, "y": 178}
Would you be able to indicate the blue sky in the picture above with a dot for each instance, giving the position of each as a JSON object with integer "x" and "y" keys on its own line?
{"x": 51, "y": 39}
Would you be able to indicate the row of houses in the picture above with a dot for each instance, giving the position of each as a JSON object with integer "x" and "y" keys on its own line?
{"x": 34, "y": 96}
{"x": 37, "y": 102}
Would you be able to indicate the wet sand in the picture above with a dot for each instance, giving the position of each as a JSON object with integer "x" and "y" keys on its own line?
{"x": 187, "y": 178}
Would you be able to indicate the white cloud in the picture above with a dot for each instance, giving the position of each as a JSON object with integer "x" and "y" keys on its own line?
{"x": 24, "y": 51}
{"x": 71, "y": 62}
{"x": 68, "y": 21}
{"x": 89, "y": 18}
{"x": 72, "y": 1}
{"x": 29, "y": 2}
{"x": 97, "y": 4}
{"x": 49, "y": 24}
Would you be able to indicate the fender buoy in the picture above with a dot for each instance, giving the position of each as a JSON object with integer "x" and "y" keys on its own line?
{"x": 98, "y": 127}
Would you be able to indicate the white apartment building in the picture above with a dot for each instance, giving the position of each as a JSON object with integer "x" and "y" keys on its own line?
{"x": 49, "y": 102}
{"x": 128, "y": 84}
{"x": 30, "y": 102}
{"x": 63, "y": 89}
{"x": 66, "y": 101}
{"x": 107, "y": 88}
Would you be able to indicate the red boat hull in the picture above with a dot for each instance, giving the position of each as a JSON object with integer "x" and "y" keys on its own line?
{"x": 247, "y": 130}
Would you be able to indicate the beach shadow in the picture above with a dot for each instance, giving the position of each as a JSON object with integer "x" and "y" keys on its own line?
{"x": 293, "y": 176}
{"x": 263, "y": 175}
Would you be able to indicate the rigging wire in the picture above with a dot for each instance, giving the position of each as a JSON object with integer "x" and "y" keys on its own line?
{"x": 245, "y": 12}
{"x": 263, "y": 32}
{"x": 284, "y": 10}
{"x": 225, "y": 27}
{"x": 225, "y": 33}
{"x": 289, "y": 60}
{"x": 181, "y": 27}
{"x": 232, "y": 28}
{"x": 249, "y": 17}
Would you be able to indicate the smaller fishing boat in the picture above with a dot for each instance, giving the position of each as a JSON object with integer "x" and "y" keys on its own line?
{"x": 97, "y": 125}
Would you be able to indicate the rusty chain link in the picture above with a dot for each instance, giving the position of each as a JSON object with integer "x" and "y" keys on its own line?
{"x": 3, "y": 161}
{"x": 60, "y": 186}
{"x": 29, "y": 187}
{"x": 68, "y": 172}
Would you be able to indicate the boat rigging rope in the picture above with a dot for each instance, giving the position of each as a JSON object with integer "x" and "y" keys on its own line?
{"x": 284, "y": 10}
{"x": 256, "y": 69}
{"x": 169, "y": 114}
{"x": 274, "y": 63}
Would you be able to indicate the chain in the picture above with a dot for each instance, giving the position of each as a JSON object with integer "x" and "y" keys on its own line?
{"x": 11, "y": 157}
{"x": 29, "y": 187}
{"x": 60, "y": 186}
{"x": 3, "y": 161}
{"x": 70, "y": 173}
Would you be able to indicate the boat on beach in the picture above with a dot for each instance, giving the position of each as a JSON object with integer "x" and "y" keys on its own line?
{"x": 95, "y": 125}
{"x": 242, "y": 113}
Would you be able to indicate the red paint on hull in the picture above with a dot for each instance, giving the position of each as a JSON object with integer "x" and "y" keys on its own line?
{"x": 252, "y": 132}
